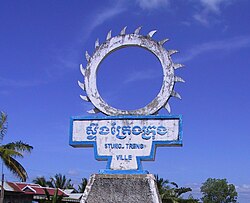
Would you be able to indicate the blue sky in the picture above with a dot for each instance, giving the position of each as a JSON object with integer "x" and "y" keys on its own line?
{"x": 42, "y": 44}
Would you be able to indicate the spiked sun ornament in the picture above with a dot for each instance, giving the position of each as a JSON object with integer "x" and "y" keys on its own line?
{"x": 126, "y": 40}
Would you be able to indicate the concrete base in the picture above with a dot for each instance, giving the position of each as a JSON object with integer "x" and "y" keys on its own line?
{"x": 103, "y": 188}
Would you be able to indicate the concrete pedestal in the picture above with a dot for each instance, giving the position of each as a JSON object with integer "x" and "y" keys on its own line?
{"x": 103, "y": 188}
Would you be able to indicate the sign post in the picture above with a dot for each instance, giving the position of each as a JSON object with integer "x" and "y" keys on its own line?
{"x": 124, "y": 138}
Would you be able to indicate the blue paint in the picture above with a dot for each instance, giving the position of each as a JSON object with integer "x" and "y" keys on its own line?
{"x": 109, "y": 171}
{"x": 138, "y": 158}
{"x": 124, "y": 157}
{"x": 93, "y": 129}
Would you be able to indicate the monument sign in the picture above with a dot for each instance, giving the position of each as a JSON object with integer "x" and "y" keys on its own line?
{"x": 124, "y": 138}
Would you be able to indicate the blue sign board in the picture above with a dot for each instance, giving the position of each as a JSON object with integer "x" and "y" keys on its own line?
{"x": 125, "y": 141}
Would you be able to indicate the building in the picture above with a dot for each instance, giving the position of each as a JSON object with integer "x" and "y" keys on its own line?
{"x": 15, "y": 192}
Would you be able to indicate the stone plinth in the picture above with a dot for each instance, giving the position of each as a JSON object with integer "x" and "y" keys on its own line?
{"x": 103, "y": 188}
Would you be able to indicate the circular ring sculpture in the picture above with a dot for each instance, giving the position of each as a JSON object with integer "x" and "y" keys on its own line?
{"x": 126, "y": 40}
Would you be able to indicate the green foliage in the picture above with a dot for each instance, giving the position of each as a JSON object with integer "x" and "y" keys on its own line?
{"x": 54, "y": 199}
{"x": 9, "y": 152}
{"x": 218, "y": 191}
{"x": 58, "y": 181}
{"x": 163, "y": 187}
{"x": 42, "y": 181}
{"x": 82, "y": 185}
{"x": 3, "y": 125}
{"x": 171, "y": 193}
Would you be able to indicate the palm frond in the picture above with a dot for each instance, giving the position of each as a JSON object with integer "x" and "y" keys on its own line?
{"x": 3, "y": 125}
{"x": 8, "y": 152}
{"x": 55, "y": 196}
{"x": 47, "y": 193}
{"x": 182, "y": 190}
{"x": 174, "y": 184}
{"x": 60, "y": 181}
{"x": 5, "y": 153}
{"x": 40, "y": 181}
{"x": 82, "y": 185}
{"x": 16, "y": 168}
{"x": 19, "y": 146}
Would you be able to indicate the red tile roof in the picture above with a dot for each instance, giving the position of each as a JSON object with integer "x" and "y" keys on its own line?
{"x": 34, "y": 189}
{"x": 14, "y": 187}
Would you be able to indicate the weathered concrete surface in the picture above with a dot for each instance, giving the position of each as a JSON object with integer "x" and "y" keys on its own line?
{"x": 126, "y": 140}
{"x": 121, "y": 189}
{"x": 124, "y": 40}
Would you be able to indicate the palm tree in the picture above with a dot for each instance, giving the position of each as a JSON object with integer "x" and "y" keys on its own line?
{"x": 9, "y": 152}
{"x": 55, "y": 198}
{"x": 162, "y": 186}
{"x": 42, "y": 182}
{"x": 179, "y": 191}
{"x": 60, "y": 181}
{"x": 171, "y": 193}
{"x": 82, "y": 185}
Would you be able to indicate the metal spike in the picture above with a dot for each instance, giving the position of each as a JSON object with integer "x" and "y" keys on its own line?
{"x": 81, "y": 85}
{"x": 87, "y": 56}
{"x": 82, "y": 70}
{"x": 175, "y": 94}
{"x": 85, "y": 98}
{"x": 167, "y": 107}
{"x": 137, "y": 30}
{"x": 123, "y": 32}
{"x": 97, "y": 43}
{"x": 109, "y": 35}
{"x": 93, "y": 111}
{"x": 178, "y": 65}
{"x": 171, "y": 52}
{"x": 178, "y": 79}
{"x": 150, "y": 34}
{"x": 163, "y": 41}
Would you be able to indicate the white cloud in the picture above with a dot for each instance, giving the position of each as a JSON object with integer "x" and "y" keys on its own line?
{"x": 245, "y": 188}
{"x": 100, "y": 17}
{"x": 141, "y": 75}
{"x": 201, "y": 18}
{"x": 210, "y": 8}
{"x": 226, "y": 45}
{"x": 152, "y": 4}
{"x": 73, "y": 172}
{"x": 243, "y": 192}
{"x": 213, "y": 5}
{"x": 106, "y": 15}
{"x": 66, "y": 59}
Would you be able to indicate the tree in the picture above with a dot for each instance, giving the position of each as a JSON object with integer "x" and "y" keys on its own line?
{"x": 171, "y": 193}
{"x": 60, "y": 181}
{"x": 9, "y": 152}
{"x": 218, "y": 191}
{"x": 163, "y": 187}
{"x": 82, "y": 185}
{"x": 42, "y": 182}
{"x": 55, "y": 198}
